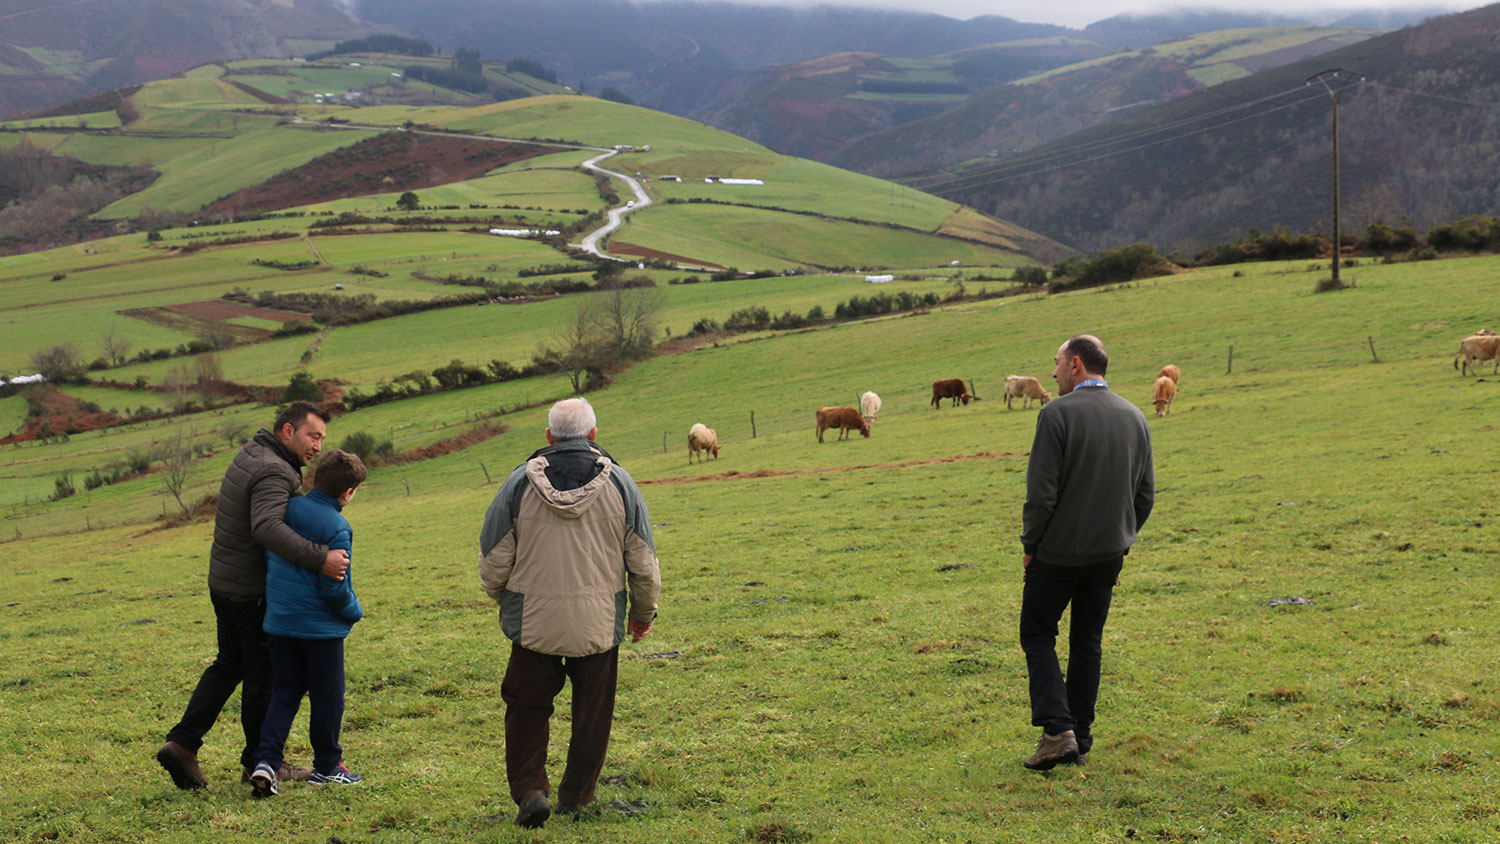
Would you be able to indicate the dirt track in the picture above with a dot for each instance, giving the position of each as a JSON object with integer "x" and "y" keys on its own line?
{"x": 736, "y": 475}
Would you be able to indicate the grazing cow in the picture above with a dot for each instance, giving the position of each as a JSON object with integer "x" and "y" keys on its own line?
{"x": 702, "y": 438}
{"x": 846, "y": 419}
{"x": 1162, "y": 393}
{"x": 950, "y": 388}
{"x": 1171, "y": 371}
{"x": 1484, "y": 332}
{"x": 1026, "y": 388}
{"x": 869, "y": 407}
{"x": 1478, "y": 347}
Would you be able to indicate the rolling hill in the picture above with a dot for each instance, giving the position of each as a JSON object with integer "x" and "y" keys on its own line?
{"x": 55, "y": 52}
{"x": 1417, "y": 136}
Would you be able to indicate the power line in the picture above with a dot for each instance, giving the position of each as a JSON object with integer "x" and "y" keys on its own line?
{"x": 1433, "y": 96}
{"x": 985, "y": 179}
{"x": 1027, "y": 160}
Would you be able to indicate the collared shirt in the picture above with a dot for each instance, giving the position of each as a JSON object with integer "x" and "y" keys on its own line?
{"x": 1091, "y": 382}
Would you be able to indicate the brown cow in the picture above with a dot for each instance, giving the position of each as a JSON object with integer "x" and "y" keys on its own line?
{"x": 1171, "y": 371}
{"x": 702, "y": 438}
{"x": 1026, "y": 388}
{"x": 1162, "y": 393}
{"x": 1478, "y": 347}
{"x": 950, "y": 388}
{"x": 846, "y": 419}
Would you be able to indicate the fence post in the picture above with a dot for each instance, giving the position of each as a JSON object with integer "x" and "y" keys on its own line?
{"x": 663, "y": 442}
{"x": 972, "y": 394}
{"x": 752, "y": 424}
{"x": 486, "y": 473}
{"x": 1373, "y": 357}
{"x": 408, "y": 486}
{"x": 1231, "y": 361}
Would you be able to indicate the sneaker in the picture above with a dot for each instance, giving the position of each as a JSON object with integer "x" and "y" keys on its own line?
{"x": 535, "y": 810}
{"x": 340, "y": 776}
{"x": 263, "y": 781}
{"x": 1052, "y": 750}
{"x": 182, "y": 765}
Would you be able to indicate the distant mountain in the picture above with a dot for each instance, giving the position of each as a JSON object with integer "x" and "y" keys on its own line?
{"x": 52, "y": 52}
{"x": 1134, "y": 31}
{"x": 1008, "y": 119}
{"x": 1420, "y": 141}
{"x": 654, "y": 51}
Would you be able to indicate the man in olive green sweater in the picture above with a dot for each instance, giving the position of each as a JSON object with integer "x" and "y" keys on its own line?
{"x": 1090, "y": 486}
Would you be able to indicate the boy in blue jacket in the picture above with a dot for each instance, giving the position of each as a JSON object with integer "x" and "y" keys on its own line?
{"x": 307, "y": 619}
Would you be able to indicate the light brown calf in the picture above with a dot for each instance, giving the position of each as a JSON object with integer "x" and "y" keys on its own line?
{"x": 1162, "y": 393}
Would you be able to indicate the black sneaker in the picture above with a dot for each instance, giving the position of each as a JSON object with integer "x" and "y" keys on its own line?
{"x": 263, "y": 781}
{"x": 340, "y": 776}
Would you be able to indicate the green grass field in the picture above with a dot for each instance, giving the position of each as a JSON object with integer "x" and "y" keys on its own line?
{"x": 826, "y": 681}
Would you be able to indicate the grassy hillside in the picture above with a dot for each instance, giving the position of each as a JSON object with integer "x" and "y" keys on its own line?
{"x": 813, "y": 675}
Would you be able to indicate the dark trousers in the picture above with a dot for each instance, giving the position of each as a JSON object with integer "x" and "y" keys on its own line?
{"x": 532, "y": 680}
{"x": 242, "y": 658}
{"x": 1058, "y": 705}
{"x": 312, "y": 667}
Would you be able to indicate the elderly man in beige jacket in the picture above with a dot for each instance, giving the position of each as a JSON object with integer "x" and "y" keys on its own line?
{"x": 566, "y": 541}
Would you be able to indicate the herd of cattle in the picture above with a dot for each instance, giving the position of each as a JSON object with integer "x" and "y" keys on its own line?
{"x": 703, "y": 440}
{"x": 1482, "y": 345}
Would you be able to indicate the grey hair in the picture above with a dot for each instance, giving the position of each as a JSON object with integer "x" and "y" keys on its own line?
{"x": 571, "y": 419}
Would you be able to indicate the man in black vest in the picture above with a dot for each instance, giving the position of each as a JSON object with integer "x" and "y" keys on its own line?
{"x": 249, "y": 519}
{"x": 1090, "y": 486}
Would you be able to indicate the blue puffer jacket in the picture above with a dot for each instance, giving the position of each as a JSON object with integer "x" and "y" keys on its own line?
{"x": 304, "y": 604}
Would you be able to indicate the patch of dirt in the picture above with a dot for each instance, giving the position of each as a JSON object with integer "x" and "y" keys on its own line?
{"x": 736, "y": 475}
{"x": 474, "y": 436}
{"x": 61, "y": 415}
{"x": 217, "y": 310}
{"x": 394, "y": 161}
{"x": 647, "y": 252}
{"x": 169, "y": 317}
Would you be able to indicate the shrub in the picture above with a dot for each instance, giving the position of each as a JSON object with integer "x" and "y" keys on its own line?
{"x": 302, "y": 388}
{"x": 503, "y": 370}
{"x": 1030, "y": 275}
{"x": 707, "y": 325}
{"x": 1385, "y": 239}
{"x": 1109, "y": 266}
{"x": 63, "y": 486}
{"x": 366, "y": 446}
{"x": 755, "y": 317}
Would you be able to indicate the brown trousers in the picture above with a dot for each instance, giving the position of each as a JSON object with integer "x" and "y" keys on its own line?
{"x": 532, "y": 680}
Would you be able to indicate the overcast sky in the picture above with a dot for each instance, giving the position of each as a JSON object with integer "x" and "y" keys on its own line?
{"x": 1080, "y": 13}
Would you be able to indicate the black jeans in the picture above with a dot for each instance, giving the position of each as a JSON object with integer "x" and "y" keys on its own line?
{"x": 532, "y": 680}
{"x": 312, "y": 667}
{"x": 242, "y": 658}
{"x": 1058, "y": 705}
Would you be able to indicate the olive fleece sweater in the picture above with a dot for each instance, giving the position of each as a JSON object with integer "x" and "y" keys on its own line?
{"x": 1090, "y": 484}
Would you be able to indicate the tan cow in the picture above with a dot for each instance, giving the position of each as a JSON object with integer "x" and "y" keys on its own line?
{"x": 1162, "y": 393}
{"x": 869, "y": 406}
{"x": 1478, "y": 347}
{"x": 1026, "y": 388}
{"x": 1171, "y": 371}
{"x": 846, "y": 419}
{"x": 702, "y": 438}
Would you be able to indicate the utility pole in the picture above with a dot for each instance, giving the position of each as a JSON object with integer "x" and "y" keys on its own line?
{"x": 1334, "y": 81}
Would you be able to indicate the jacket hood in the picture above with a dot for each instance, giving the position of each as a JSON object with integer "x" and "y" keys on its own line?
{"x": 569, "y": 476}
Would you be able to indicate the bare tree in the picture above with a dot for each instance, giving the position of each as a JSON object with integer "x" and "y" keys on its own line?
{"x": 232, "y": 431}
{"x": 628, "y": 320}
{"x": 176, "y": 454}
{"x": 58, "y": 363}
{"x": 207, "y": 371}
{"x": 179, "y": 382}
{"x": 114, "y": 345}
{"x": 578, "y": 348}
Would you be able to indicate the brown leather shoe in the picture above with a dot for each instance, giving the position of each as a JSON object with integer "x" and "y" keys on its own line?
{"x": 182, "y": 764}
{"x": 1052, "y": 751}
{"x": 293, "y": 773}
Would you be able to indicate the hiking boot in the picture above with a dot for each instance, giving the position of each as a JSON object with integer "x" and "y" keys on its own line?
{"x": 534, "y": 810}
{"x": 182, "y": 765}
{"x": 1052, "y": 750}
{"x": 263, "y": 782}
{"x": 339, "y": 776}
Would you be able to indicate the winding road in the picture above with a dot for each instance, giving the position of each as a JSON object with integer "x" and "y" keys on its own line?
{"x": 613, "y": 219}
